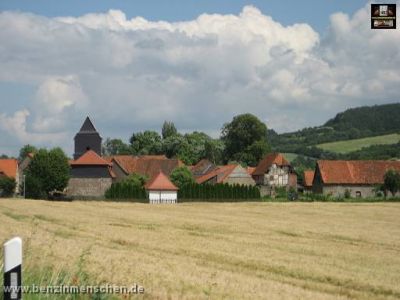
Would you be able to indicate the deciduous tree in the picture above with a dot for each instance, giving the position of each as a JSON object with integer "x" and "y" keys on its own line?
{"x": 48, "y": 171}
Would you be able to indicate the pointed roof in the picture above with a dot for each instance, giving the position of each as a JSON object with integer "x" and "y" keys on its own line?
{"x": 88, "y": 127}
{"x": 9, "y": 167}
{"x": 90, "y": 158}
{"x": 308, "y": 178}
{"x": 161, "y": 183}
{"x": 203, "y": 167}
{"x": 221, "y": 172}
{"x": 268, "y": 161}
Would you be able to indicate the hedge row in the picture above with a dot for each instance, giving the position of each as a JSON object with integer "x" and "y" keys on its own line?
{"x": 190, "y": 192}
{"x": 217, "y": 193}
{"x": 121, "y": 190}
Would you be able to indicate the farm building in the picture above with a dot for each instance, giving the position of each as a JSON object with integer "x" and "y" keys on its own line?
{"x": 147, "y": 165}
{"x": 275, "y": 171}
{"x": 232, "y": 174}
{"x": 308, "y": 176}
{"x": 9, "y": 168}
{"x": 203, "y": 167}
{"x": 360, "y": 178}
{"x": 91, "y": 176}
{"x": 161, "y": 190}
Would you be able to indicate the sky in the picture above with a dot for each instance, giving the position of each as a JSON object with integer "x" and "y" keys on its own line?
{"x": 130, "y": 65}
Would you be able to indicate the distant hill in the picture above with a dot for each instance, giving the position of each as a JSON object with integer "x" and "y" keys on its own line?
{"x": 377, "y": 119}
{"x": 353, "y": 124}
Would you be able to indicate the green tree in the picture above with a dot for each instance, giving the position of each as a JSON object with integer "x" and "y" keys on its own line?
{"x": 168, "y": 130}
{"x": 213, "y": 150}
{"x": 245, "y": 139}
{"x": 115, "y": 147}
{"x": 136, "y": 180}
{"x": 392, "y": 181}
{"x": 182, "y": 176}
{"x": 23, "y": 152}
{"x": 7, "y": 186}
{"x": 147, "y": 142}
{"x": 48, "y": 171}
{"x": 171, "y": 145}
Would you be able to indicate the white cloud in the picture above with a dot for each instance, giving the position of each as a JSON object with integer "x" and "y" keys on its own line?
{"x": 55, "y": 99}
{"x": 16, "y": 126}
{"x": 132, "y": 74}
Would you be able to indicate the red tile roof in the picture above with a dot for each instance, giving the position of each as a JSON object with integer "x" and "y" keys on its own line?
{"x": 308, "y": 178}
{"x": 160, "y": 182}
{"x": 149, "y": 165}
{"x": 268, "y": 161}
{"x": 250, "y": 170}
{"x": 202, "y": 167}
{"x": 126, "y": 162}
{"x": 9, "y": 167}
{"x": 355, "y": 171}
{"x": 90, "y": 158}
{"x": 220, "y": 172}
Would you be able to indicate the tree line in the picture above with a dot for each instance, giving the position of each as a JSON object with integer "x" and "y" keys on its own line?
{"x": 242, "y": 140}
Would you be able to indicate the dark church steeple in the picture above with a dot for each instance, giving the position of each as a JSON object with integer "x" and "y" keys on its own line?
{"x": 87, "y": 139}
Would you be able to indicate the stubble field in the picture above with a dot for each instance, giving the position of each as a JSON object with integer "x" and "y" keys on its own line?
{"x": 204, "y": 250}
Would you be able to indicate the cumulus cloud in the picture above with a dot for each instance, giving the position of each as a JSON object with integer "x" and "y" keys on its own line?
{"x": 132, "y": 74}
{"x": 16, "y": 125}
{"x": 56, "y": 99}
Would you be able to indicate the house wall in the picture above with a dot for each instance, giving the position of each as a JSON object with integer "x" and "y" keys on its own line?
{"x": 367, "y": 191}
{"x": 292, "y": 181}
{"x": 84, "y": 188}
{"x": 339, "y": 190}
{"x": 276, "y": 176}
{"x": 163, "y": 197}
{"x": 240, "y": 176}
{"x": 240, "y": 180}
{"x": 119, "y": 173}
{"x": 89, "y": 171}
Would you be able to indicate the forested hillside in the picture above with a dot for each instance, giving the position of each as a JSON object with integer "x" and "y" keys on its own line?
{"x": 351, "y": 124}
{"x": 368, "y": 120}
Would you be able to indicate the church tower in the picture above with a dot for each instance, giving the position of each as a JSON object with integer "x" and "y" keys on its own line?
{"x": 87, "y": 139}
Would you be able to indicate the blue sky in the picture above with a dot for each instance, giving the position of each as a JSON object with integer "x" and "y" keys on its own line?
{"x": 130, "y": 65}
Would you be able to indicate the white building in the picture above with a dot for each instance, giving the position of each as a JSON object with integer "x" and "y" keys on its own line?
{"x": 161, "y": 190}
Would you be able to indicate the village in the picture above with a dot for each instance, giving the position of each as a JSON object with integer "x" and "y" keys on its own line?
{"x": 92, "y": 175}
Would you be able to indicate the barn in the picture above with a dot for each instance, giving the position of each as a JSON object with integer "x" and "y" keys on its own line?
{"x": 358, "y": 177}
{"x": 161, "y": 190}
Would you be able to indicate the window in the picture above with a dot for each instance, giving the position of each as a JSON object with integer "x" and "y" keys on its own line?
{"x": 358, "y": 194}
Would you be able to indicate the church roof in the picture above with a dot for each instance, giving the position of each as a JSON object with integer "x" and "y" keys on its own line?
{"x": 161, "y": 183}
{"x": 88, "y": 127}
{"x": 90, "y": 158}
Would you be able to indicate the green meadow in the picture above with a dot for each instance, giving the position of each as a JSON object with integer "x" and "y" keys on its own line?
{"x": 357, "y": 144}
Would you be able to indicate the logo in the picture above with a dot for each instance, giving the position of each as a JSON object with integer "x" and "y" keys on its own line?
{"x": 383, "y": 16}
